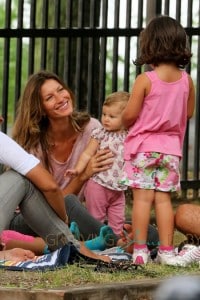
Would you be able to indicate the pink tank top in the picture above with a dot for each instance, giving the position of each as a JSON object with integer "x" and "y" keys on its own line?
{"x": 161, "y": 125}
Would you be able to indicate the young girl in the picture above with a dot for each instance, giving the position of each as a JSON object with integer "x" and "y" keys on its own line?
{"x": 104, "y": 195}
{"x": 10, "y": 239}
{"x": 161, "y": 102}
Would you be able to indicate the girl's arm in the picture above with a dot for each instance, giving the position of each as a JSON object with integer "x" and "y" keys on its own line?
{"x": 140, "y": 89}
{"x": 191, "y": 98}
{"x": 37, "y": 245}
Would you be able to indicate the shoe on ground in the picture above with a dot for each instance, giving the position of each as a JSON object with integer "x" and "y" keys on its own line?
{"x": 164, "y": 257}
{"x": 188, "y": 255}
{"x": 141, "y": 256}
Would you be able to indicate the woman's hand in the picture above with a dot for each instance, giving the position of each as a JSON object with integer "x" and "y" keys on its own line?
{"x": 101, "y": 161}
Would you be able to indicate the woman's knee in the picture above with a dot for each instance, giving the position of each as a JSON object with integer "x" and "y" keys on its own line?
{"x": 11, "y": 177}
{"x": 182, "y": 215}
{"x": 187, "y": 218}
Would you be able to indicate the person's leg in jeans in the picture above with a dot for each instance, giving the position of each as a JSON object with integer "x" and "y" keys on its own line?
{"x": 18, "y": 224}
{"x": 15, "y": 191}
{"x": 96, "y": 235}
{"x": 88, "y": 226}
{"x": 44, "y": 221}
{"x": 10, "y": 198}
{"x": 12, "y": 192}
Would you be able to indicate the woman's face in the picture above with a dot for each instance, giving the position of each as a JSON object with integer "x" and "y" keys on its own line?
{"x": 56, "y": 101}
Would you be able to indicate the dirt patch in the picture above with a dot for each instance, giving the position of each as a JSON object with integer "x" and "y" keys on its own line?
{"x": 19, "y": 279}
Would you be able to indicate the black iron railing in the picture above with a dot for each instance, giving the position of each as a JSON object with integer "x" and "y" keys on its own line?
{"x": 91, "y": 45}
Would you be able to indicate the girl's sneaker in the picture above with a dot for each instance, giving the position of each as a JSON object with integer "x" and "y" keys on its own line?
{"x": 141, "y": 256}
{"x": 188, "y": 255}
{"x": 164, "y": 257}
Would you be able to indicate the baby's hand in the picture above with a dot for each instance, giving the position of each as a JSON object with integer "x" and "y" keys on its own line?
{"x": 71, "y": 173}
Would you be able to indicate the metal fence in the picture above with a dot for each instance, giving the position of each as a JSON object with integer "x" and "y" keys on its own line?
{"x": 91, "y": 44}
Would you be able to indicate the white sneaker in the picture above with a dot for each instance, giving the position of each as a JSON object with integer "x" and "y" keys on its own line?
{"x": 163, "y": 257}
{"x": 188, "y": 255}
{"x": 141, "y": 256}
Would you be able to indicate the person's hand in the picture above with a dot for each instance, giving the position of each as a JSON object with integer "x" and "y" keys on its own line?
{"x": 101, "y": 161}
{"x": 17, "y": 254}
{"x": 71, "y": 173}
{"x": 126, "y": 241}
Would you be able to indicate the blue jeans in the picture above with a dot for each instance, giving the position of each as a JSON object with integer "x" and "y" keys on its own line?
{"x": 16, "y": 190}
{"x": 89, "y": 227}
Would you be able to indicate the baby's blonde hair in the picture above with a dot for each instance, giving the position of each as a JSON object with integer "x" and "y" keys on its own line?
{"x": 121, "y": 97}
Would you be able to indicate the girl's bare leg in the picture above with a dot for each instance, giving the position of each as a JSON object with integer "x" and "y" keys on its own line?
{"x": 164, "y": 217}
{"x": 142, "y": 203}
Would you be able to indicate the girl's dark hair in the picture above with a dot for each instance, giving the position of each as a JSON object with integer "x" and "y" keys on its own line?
{"x": 164, "y": 41}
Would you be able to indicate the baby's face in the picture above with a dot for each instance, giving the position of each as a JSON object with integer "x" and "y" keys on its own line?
{"x": 112, "y": 117}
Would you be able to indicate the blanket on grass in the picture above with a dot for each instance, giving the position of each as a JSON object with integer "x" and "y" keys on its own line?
{"x": 50, "y": 261}
{"x": 60, "y": 258}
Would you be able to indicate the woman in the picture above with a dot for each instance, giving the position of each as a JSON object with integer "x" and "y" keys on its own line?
{"x": 48, "y": 125}
{"x": 17, "y": 190}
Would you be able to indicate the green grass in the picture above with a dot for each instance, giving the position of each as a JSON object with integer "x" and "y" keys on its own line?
{"x": 74, "y": 275}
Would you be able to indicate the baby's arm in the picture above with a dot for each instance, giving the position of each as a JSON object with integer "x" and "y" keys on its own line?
{"x": 84, "y": 158}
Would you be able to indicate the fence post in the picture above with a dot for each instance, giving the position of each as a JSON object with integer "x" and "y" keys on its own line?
{"x": 153, "y": 9}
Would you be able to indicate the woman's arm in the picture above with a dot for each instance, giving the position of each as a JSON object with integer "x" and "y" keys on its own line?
{"x": 14, "y": 156}
{"x": 44, "y": 181}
